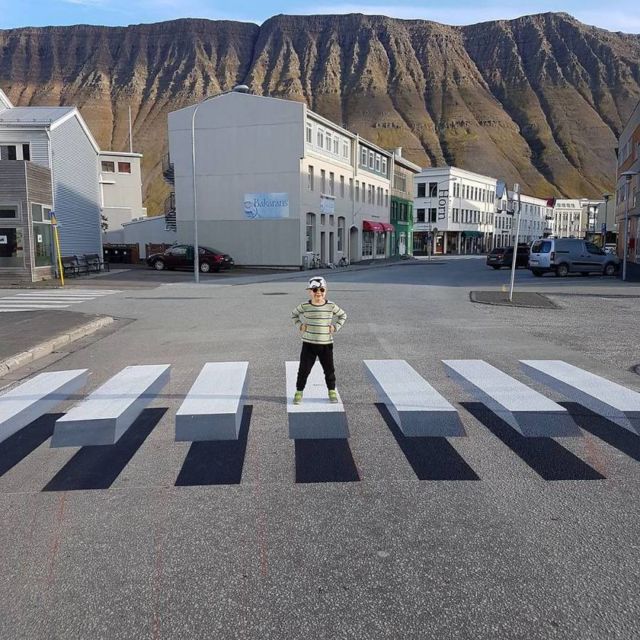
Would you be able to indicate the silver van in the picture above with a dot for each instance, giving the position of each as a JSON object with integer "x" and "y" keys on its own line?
{"x": 563, "y": 256}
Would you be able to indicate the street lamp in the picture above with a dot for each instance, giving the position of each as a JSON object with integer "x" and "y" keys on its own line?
{"x": 242, "y": 88}
{"x": 627, "y": 175}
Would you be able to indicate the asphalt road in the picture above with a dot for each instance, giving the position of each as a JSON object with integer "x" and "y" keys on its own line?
{"x": 489, "y": 536}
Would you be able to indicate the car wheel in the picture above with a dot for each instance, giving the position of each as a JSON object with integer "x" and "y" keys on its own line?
{"x": 562, "y": 270}
{"x": 205, "y": 267}
{"x": 537, "y": 273}
{"x": 610, "y": 269}
{"x": 158, "y": 265}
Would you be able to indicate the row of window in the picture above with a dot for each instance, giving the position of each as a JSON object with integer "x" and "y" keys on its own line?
{"x": 472, "y": 216}
{"x": 15, "y": 152}
{"x": 400, "y": 182}
{"x": 39, "y": 213}
{"x": 373, "y": 161}
{"x": 328, "y": 141}
{"x": 110, "y": 167}
{"x": 400, "y": 211}
{"x": 310, "y": 231}
{"x": 363, "y": 192}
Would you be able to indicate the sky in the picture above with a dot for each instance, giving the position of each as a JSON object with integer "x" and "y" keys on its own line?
{"x": 621, "y": 15}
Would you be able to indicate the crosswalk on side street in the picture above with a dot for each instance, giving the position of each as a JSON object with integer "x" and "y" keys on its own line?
{"x": 50, "y": 300}
{"x": 213, "y": 408}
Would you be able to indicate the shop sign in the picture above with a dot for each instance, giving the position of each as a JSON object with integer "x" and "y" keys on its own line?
{"x": 4, "y": 240}
{"x": 443, "y": 203}
{"x": 260, "y": 206}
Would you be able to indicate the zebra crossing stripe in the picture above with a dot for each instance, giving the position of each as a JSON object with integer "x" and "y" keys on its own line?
{"x": 213, "y": 407}
{"x": 111, "y": 409}
{"x": 602, "y": 396}
{"x": 37, "y": 396}
{"x": 416, "y": 407}
{"x": 315, "y": 417}
{"x": 524, "y": 409}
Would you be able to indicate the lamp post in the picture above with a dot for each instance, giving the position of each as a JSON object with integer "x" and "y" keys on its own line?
{"x": 606, "y": 197}
{"x": 627, "y": 175}
{"x": 196, "y": 252}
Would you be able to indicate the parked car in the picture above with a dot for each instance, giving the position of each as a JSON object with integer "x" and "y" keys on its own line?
{"x": 563, "y": 256}
{"x": 610, "y": 247}
{"x": 503, "y": 257}
{"x": 180, "y": 256}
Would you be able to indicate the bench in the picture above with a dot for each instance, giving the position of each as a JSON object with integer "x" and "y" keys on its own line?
{"x": 70, "y": 266}
{"x": 524, "y": 409}
{"x": 214, "y": 405}
{"x": 110, "y": 410}
{"x": 416, "y": 407}
{"x": 608, "y": 399}
{"x": 315, "y": 417}
{"x": 82, "y": 265}
{"x": 32, "y": 399}
{"x": 95, "y": 263}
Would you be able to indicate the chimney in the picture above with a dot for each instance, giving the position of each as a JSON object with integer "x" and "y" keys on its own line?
{"x": 397, "y": 152}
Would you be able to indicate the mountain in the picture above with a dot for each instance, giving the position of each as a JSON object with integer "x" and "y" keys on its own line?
{"x": 539, "y": 100}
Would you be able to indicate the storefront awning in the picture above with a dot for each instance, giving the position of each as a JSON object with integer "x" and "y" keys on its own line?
{"x": 377, "y": 227}
{"x": 472, "y": 234}
{"x": 387, "y": 227}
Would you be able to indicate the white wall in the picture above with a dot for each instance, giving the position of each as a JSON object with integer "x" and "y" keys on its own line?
{"x": 121, "y": 192}
{"x": 148, "y": 230}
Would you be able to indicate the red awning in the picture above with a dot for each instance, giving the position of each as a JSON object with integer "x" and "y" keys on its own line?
{"x": 387, "y": 227}
{"x": 367, "y": 225}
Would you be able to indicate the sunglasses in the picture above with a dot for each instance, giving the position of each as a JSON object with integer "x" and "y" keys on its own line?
{"x": 316, "y": 289}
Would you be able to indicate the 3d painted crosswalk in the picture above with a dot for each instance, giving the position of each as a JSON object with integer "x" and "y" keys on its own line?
{"x": 212, "y": 409}
{"x": 51, "y": 300}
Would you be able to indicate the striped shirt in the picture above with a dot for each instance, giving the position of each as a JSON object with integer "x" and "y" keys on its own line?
{"x": 318, "y": 319}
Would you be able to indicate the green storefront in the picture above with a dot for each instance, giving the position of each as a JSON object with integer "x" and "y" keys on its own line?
{"x": 402, "y": 221}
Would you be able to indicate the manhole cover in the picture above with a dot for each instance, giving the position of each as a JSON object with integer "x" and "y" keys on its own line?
{"x": 276, "y": 293}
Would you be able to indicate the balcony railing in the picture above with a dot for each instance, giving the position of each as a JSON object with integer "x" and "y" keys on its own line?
{"x": 170, "y": 212}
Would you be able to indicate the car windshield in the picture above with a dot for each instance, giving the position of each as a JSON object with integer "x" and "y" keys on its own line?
{"x": 541, "y": 246}
{"x": 500, "y": 249}
{"x": 210, "y": 250}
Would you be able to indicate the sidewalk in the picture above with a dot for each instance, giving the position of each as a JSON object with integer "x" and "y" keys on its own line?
{"x": 27, "y": 336}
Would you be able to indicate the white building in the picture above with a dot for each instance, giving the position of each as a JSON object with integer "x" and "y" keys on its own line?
{"x": 567, "y": 215}
{"x": 120, "y": 188}
{"x": 276, "y": 183}
{"x": 456, "y": 207}
{"x": 536, "y": 220}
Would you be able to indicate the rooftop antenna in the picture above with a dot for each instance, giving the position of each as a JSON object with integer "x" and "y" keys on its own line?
{"x": 130, "y": 138}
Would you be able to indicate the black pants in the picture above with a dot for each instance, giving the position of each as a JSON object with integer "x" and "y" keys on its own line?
{"x": 308, "y": 355}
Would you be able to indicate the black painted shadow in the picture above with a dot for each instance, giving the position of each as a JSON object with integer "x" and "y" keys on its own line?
{"x": 609, "y": 432}
{"x": 97, "y": 467}
{"x": 216, "y": 461}
{"x": 23, "y": 442}
{"x": 430, "y": 458}
{"x": 325, "y": 460}
{"x": 545, "y": 456}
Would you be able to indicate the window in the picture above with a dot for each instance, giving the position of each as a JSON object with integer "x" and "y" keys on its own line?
{"x": 399, "y": 182}
{"x": 386, "y": 197}
{"x": 371, "y": 159}
{"x": 310, "y": 178}
{"x": 36, "y": 212}
{"x": 336, "y": 145}
{"x": 310, "y": 223}
{"x": 357, "y": 190}
{"x": 345, "y": 149}
{"x": 26, "y": 152}
{"x": 8, "y": 213}
{"x": 331, "y": 220}
{"x": 323, "y": 180}
{"x": 421, "y": 189}
{"x": 342, "y": 186}
{"x": 420, "y": 215}
{"x": 320, "y": 139}
{"x": 180, "y": 250}
{"x": 332, "y": 185}
{"x": 15, "y": 152}
{"x": 592, "y": 248}
{"x": 378, "y": 162}
{"x": 309, "y": 134}
{"x": 341, "y": 225}
{"x": 384, "y": 166}
{"x": 363, "y": 157}
{"x": 433, "y": 189}
{"x": 433, "y": 212}
{"x": 323, "y": 219}
{"x": 42, "y": 247}
{"x": 108, "y": 167}
{"x": 11, "y": 248}
{"x": 370, "y": 194}
{"x": 328, "y": 141}
{"x": 124, "y": 167}
{"x": 350, "y": 188}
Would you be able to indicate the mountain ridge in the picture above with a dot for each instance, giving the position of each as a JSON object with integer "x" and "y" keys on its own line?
{"x": 539, "y": 99}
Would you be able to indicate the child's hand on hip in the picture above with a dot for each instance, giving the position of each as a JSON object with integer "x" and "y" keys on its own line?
{"x": 332, "y": 328}
{"x": 303, "y": 327}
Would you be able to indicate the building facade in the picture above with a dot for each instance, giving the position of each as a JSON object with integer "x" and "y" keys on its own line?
{"x": 567, "y": 216}
{"x": 277, "y": 184}
{"x": 454, "y": 211}
{"x": 120, "y": 188}
{"x": 401, "y": 215}
{"x": 628, "y": 194}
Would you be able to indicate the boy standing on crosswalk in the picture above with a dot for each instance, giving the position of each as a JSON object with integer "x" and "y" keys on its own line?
{"x": 318, "y": 319}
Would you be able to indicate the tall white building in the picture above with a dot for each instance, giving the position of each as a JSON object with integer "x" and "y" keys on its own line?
{"x": 455, "y": 208}
{"x": 567, "y": 213}
{"x": 277, "y": 183}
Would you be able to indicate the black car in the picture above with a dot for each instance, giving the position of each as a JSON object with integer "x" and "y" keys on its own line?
{"x": 503, "y": 257}
{"x": 180, "y": 256}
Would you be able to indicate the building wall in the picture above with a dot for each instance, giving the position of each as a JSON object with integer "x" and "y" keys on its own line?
{"x": 142, "y": 232}
{"x": 37, "y": 139}
{"x": 244, "y": 144}
{"x": 121, "y": 192}
{"x": 77, "y": 196}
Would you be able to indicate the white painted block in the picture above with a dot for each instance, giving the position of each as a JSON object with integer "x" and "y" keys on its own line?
{"x": 315, "y": 417}
{"x": 416, "y": 407}
{"x": 602, "y": 396}
{"x": 213, "y": 407}
{"x": 112, "y": 408}
{"x": 527, "y": 411}
{"x": 39, "y": 395}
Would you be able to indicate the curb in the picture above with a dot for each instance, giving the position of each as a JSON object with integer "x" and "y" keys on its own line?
{"x": 49, "y": 346}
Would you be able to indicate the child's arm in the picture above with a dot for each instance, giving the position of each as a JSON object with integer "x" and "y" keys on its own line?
{"x": 295, "y": 316}
{"x": 339, "y": 317}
